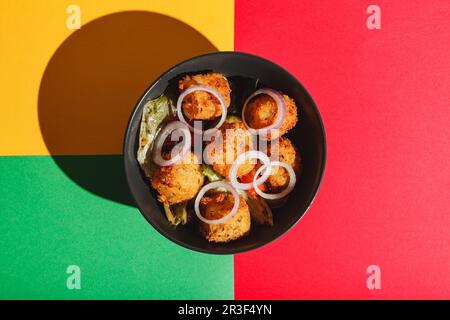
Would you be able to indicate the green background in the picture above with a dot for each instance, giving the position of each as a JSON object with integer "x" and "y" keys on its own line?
{"x": 48, "y": 222}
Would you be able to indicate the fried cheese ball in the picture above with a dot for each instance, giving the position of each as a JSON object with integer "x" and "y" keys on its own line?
{"x": 231, "y": 140}
{"x": 218, "y": 206}
{"x": 262, "y": 111}
{"x": 179, "y": 182}
{"x": 279, "y": 178}
{"x": 202, "y": 105}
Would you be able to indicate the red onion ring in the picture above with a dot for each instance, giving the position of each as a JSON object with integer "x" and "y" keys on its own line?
{"x": 275, "y": 95}
{"x": 285, "y": 192}
{"x": 210, "y": 90}
{"x": 172, "y": 127}
{"x": 214, "y": 185}
{"x": 253, "y": 154}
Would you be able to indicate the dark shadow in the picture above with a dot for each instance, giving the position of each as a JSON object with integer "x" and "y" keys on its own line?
{"x": 92, "y": 83}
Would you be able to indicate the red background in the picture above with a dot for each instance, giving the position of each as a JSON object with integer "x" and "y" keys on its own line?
{"x": 385, "y": 101}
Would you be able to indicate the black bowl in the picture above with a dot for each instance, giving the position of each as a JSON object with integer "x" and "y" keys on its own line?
{"x": 308, "y": 136}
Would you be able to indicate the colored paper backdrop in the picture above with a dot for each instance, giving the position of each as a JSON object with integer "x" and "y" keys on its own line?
{"x": 66, "y": 96}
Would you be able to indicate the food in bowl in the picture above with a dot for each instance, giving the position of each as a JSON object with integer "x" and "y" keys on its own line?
{"x": 214, "y": 150}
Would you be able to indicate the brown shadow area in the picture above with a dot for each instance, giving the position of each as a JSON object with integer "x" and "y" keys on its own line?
{"x": 92, "y": 83}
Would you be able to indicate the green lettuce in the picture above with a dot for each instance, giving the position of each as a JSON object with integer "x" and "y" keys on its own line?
{"x": 177, "y": 213}
{"x": 210, "y": 173}
{"x": 154, "y": 113}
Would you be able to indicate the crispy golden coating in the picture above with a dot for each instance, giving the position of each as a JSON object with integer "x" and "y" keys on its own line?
{"x": 179, "y": 182}
{"x": 200, "y": 104}
{"x": 218, "y": 206}
{"x": 230, "y": 141}
{"x": 279, "y": 179}
{"x": 262, "y": 111}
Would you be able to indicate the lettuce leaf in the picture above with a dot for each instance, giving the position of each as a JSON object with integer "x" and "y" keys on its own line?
{"x": 177, "y": 213}
{"x": 232, "y": 118}
{"x": 153, "y": 115}
{"x": 210, "y": 173}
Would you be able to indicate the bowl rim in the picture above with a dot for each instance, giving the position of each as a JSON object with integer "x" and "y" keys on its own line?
{"x": 127, "y": 141}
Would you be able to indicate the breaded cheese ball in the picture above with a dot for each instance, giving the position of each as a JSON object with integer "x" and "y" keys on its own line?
{"x": 262, "y": 111}
{"x": 202, "y": 105}
{"x": 217, "y": 206}
{"x": 179, "y": 182}
{"x": 279, "y": 178}
{"x": 230, "y": 141}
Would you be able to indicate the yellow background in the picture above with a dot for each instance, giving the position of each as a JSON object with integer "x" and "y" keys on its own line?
{"x": 31, "y": 31}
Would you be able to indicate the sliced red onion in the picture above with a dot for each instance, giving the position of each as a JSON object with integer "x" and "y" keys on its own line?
{"x": 210, "y": 90}
{"x": 215, "y": 185}
{"x": 253, "y": 154}
{"x": 275, "y": 95}
{"x": 178, "y": 128}
{"x": 285, "y": 192}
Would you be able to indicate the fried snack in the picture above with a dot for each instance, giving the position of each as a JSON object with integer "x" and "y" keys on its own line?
{"x": 262, "y": 111}
{"x": 202, "y": 105}
{"x": 230, "y": 141}
{"x": 279, "y": 178}
{"x": 179, "y": 182}
{"x": 218, "y": 206}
